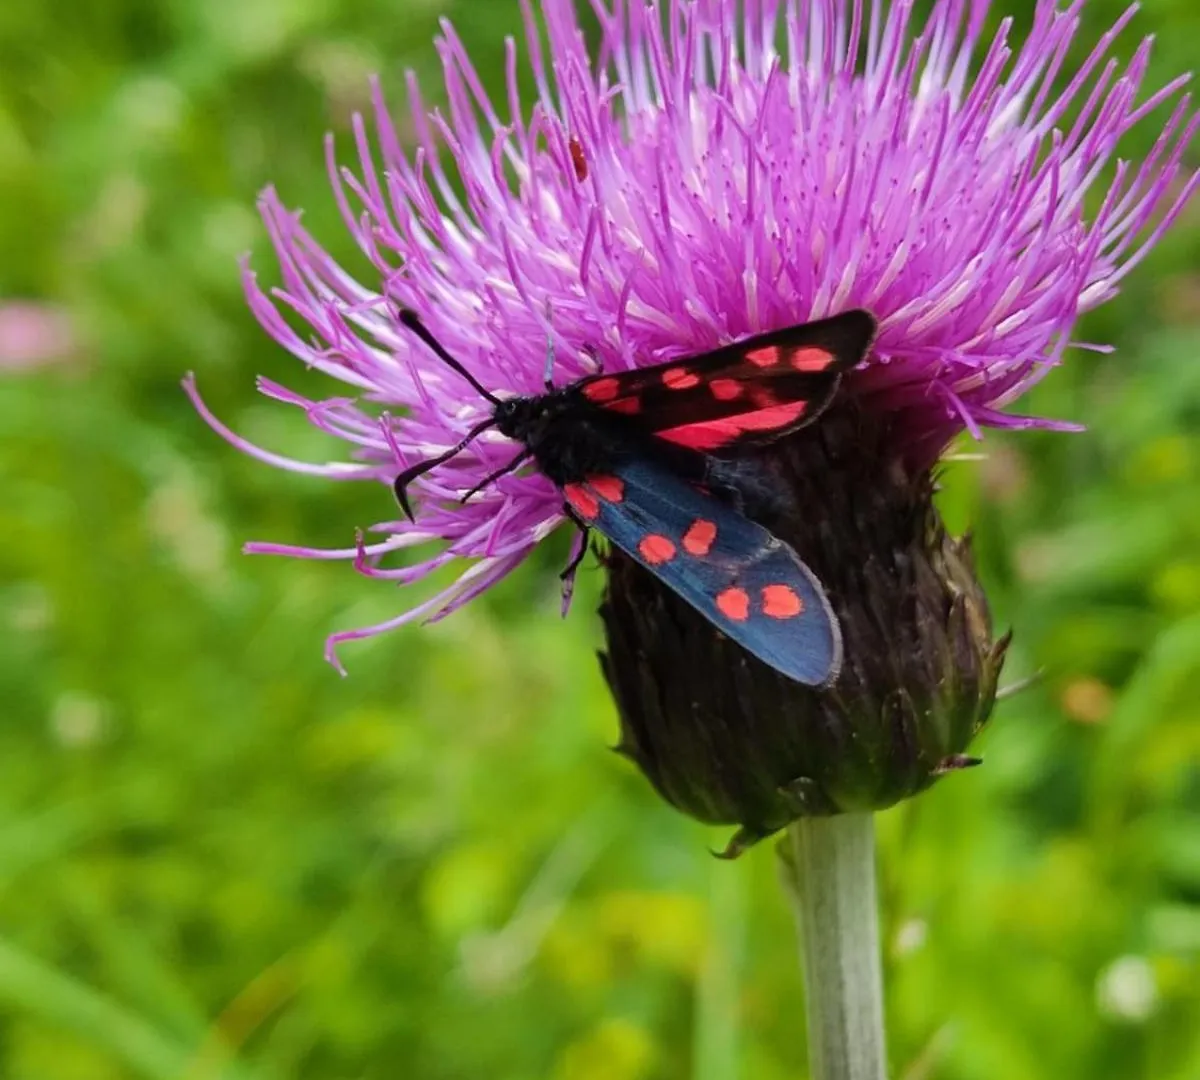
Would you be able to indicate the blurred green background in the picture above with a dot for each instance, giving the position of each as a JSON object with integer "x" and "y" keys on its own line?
{"x": 219, "y": 859}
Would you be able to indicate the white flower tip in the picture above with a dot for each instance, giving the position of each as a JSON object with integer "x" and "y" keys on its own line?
{"x": 331, "y": 656}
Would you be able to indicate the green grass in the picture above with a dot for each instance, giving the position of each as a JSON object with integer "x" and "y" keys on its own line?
{"x": 219, "y": 859}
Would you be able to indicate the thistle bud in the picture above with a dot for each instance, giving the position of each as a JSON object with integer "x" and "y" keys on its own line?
{"x": 730, "y": 741}
{"x": 698, "y": 177}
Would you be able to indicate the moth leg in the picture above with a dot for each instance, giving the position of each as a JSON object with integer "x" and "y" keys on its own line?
{"x": 400, "y": 484}
{"x": 582, "y": 536}
{"x": 568, "y": 574}
{"x": 511, "y": 467}
{"x": 567, "y": 577}
{"x": 573, "y": 516}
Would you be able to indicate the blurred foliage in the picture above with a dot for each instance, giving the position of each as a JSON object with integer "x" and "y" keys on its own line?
{"x": 218, "y": 859}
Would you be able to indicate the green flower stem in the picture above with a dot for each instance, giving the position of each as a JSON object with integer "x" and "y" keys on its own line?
{"x": 718, "y": 1011}
{"x": 832, "y": 879}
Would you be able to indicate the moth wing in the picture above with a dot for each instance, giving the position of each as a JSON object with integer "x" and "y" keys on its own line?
{"x": 746, "y": 581}
{"x": 744, "y": 394}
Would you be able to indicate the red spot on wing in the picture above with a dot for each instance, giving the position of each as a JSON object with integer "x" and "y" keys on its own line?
{"x": 582, "y": 501}
{"x": 698, "y": 540}
{"x": 679, "y": 379}
{"x": 601, "y": 390}
{"x": 656, "y": 549}
{"x": 609, "y": 488}
{"x": 781, "y": 602}
{"x": 734, "y": 603}
{"x": 767, "y": 356}
{"x": 713, "y": 434}
{"x": 810, "y": 359}
{"x": 725, "y": 389}
{"x": 775, "y": 416}
{"x": 627, "y": 405}
{"x": 710, "y": 436}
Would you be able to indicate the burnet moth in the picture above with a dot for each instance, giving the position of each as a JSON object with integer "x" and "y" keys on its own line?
{"x": 642, "y": 457}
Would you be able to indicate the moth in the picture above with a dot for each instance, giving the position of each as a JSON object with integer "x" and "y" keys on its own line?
{"x": 648, "y": 458}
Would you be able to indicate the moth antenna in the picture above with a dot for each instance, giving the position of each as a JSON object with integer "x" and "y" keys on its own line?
{"x": 413, "y": 321}
{"x": 400, "y": 484}
{"x": 548, "y": 371}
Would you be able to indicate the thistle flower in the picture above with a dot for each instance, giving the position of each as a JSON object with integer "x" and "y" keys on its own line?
{"x": 712, "y": 170}
{"x": 33, "y": 335}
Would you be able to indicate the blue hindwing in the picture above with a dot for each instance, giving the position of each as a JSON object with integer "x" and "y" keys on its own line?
{"x": 746, "y": 581}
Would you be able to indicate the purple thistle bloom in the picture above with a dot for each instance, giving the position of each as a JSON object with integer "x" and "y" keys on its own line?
{"x": 714, "y": 170}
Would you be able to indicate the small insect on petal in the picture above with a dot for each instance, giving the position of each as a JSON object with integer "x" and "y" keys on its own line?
{"x": 781, "y": 602}
{"x": 698, "y": 540}
{"x": 656, "y": 549}
{"x": 578, "y": 159}
{"x": 734, "y": 603}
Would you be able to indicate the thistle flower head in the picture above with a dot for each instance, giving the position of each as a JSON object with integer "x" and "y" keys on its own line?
{"x": 706, "y": 171}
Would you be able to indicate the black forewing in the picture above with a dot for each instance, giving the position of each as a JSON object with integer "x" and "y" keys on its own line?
{"x": 743, "y": 394}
